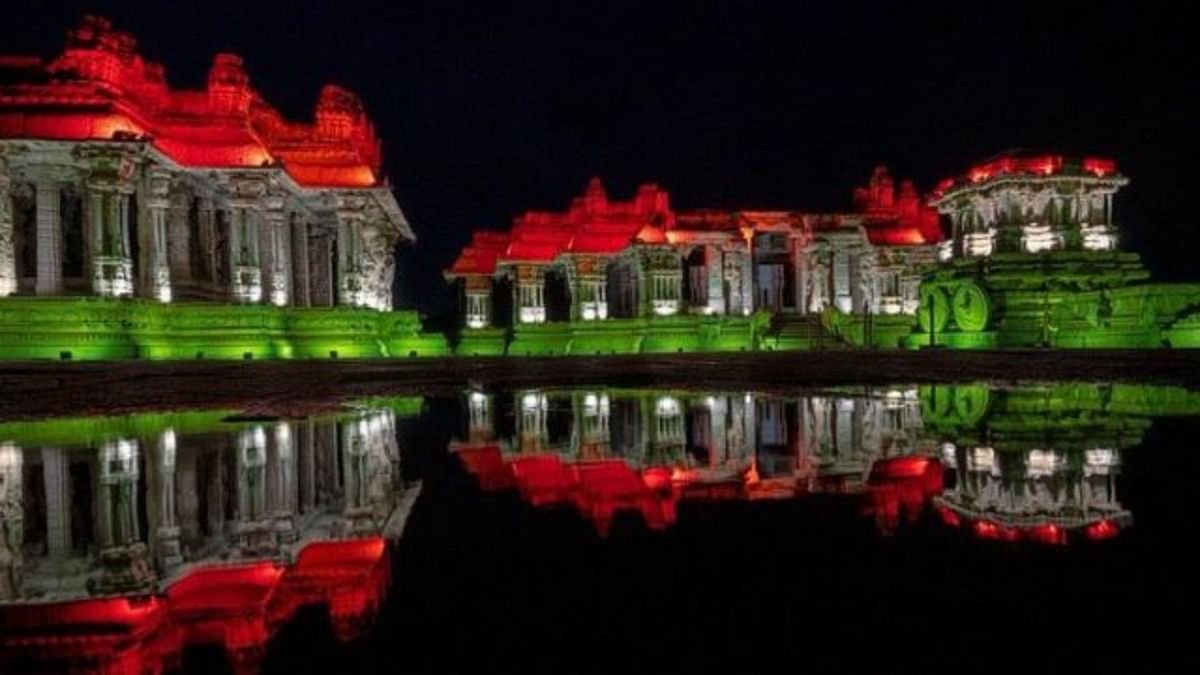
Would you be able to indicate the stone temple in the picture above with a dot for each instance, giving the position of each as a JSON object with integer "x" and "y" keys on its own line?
{"x": 123, "y": 186}
{"x": 114, "y": 184}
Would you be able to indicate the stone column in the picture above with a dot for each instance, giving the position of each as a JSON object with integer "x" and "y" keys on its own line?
{"x": 8, "y": 253}
{"x": 55, "y": 476}
{"x": 349, "y": 278}
{"x": 210, "y": 257}
{"x": 530, "y": 289}
{"x": 477, "y": 292}
{"x": 246, "y": 202}
{"x": 155, "y": 260}
{"x": 109, "y": 188}
{"x": 49, "y": 237}
{"x": 12, "y": 521}
{"x": 276, "y": 260}
{"x": 301, "y": 286}
{"x": 714, "y": 279}
{"x": 321, "y": 268}
{"x": 179, "y": 243}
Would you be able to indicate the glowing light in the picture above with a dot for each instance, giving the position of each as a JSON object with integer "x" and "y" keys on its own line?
{"x": 980, "y": 244}
{"x": 1038, "y": 238}
{"x": 1098, "y": 238}
{"x": 1105, "y": 529}
{"x": 667, "y": 406}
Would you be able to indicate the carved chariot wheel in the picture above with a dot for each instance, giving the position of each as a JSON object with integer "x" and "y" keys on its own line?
{"x": 971, "y": 307}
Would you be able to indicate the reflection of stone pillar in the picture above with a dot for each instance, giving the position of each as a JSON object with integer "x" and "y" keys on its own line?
{"x": 124, "y": 564}
{"x": 49, "y": 238}
{"x": 8, "y": 253}
{"x": 254, "y": 532}
{"x": 531, "y": 428}
{"x": 369, "y": 451}
{"x": 55, "y": 475}
{"x": 187, "y": 493}
{"x": 163, "y": 517}
{"x": 12, "y": 521}
{"x": 157, "y": 275}
{"x": 281, "y": 482}
{"x": 306, "y": 458}
{"x": 328, "y": 480}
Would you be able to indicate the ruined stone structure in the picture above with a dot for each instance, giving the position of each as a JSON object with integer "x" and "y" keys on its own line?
{"x": 1034, "y": 260}
{"x": 115, "y": 184}
{"x": 603, "y": 261}
{"x": 199, "y": 205}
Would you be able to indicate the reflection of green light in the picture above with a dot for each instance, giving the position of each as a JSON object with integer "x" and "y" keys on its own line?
{"x": 92, "y": 431}
{"x": 101, "y": 328}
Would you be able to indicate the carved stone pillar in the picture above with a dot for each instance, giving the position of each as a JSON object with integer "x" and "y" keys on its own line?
{"x": 321, "y": 268}
{"x": 163, "y": 514}
{"x": 179, "y": 243}
{"x": 351, "y": 283}
{"x": 8, "y": 253}
{"x": 477, "y": 291}
{"x": 210, "y": 253}
{"x": 246, "y": 202}
{"x": 49, "y": 236}
{"x": 109, "y": 188}
{"x": 275, "y": 238}
{"x": 301, "y": 288}
{"x": 155, "y": 259}
{"x": 530, "y": 289}
{"x": 366, "y": 264}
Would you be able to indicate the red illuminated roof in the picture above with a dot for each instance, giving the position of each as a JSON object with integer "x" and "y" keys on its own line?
{"x": 1017, "y": 164}
{"x": 100, "y": 88}
{"x": 896, "y": 218}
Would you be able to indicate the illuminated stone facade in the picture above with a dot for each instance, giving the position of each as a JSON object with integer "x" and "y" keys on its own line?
{"x": 1034, "y": 260}
{"x": 604, "y": 261}
{"x": 114, "y": 184}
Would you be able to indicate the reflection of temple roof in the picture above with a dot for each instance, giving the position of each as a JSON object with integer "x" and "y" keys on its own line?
{"x": 1039, "y": 527}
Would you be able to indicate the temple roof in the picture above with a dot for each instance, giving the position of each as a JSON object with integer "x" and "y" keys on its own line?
{"x": 596, "y": 225}
{"x": 100, "y": 88}
{"x": 1023, "y": 163}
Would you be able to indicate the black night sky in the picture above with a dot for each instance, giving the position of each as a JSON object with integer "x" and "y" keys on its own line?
{"x": 487, "y": 110}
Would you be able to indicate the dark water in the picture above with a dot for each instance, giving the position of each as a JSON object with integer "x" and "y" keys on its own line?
{"x": 900, "y": 528}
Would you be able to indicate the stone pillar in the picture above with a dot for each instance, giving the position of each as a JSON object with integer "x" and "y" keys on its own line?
{"x": 714, "y": 279}
{"x": 244, "y": 261}
{"x": 477, "y": 310}
{"x": 56, "y": 476}
{"x": 530, "y": 289}
{"x": 109, "y": 188}
{"x": 276, "y": 260}
{"x": 351, "y": 283}
{"x": 281, "y": 482}
{"x": 246, "y": 201}
{"x": 800, "y": 270}
{"x": 321, "y": 268}
{"x": 179, "y": 241}
{"x": 49, "y": 237}
{"x": 8, "y": 253}
{"x": 155, "y": 259}
{"x": 301, "y": 286}
{"x": 210, "y": 256}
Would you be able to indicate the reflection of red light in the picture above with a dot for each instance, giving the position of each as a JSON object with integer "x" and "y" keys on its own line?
{"x": 988, "y": 530}
{"x": 949, "y": 517}
{"x": 1048, "y": 534}
{"x": 237, "y": 606}
{"x": 1105, "y": 529}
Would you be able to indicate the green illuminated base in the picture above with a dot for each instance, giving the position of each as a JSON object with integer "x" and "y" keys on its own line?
{"x": 482, "y": 342}
{"x": 1073, "y": 300}
{"x": 658, "y": 335}
{"x": 103, "y": 328}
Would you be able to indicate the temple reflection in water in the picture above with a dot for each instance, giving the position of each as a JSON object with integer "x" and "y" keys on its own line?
{"x": 164, "y": 531}
{"x": 125, "y": 541}
{"x": 1035, "y": 463}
